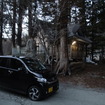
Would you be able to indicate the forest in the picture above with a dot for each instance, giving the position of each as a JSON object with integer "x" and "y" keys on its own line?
{"x": 48, "y": 20}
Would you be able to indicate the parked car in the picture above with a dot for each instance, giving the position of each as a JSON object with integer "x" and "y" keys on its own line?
{"x": 27, "y": 75}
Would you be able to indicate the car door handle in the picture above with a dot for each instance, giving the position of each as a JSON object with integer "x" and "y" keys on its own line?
{"x": 10, "y": 71}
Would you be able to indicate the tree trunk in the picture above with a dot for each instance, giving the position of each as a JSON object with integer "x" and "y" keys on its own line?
{"x": 20, "y": 24}
{"x": 62, "y": 66}
{"x": 30, "y": 18}
{"x": 14, "y": 21}
{"x": 1, "y": 27}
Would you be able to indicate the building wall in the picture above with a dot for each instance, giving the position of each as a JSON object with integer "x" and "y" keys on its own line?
{"x": 76, "y": 51}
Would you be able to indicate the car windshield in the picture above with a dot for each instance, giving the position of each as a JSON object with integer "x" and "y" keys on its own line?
{"x": 33, "y": 65}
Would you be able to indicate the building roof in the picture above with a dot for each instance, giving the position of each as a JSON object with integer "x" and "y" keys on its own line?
{"x": 82, "y": 39}
{"x": 75, "y": 31}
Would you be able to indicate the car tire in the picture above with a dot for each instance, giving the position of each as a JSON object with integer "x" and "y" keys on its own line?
{"x": 34, "y": 93}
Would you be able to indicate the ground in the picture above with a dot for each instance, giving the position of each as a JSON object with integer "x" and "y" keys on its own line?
{"x": 67, "y": 95}
{"x": 93, "y": 76}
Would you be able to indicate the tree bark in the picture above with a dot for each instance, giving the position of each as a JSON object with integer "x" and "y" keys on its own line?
{"x": 30, "y": 18}
{"x": 62, "y": 66}
{"x": 14, "y": 21}
{"x": 19, "y": 27}
{"x": 19, "y": 24}
{"x": 1, "y": 27}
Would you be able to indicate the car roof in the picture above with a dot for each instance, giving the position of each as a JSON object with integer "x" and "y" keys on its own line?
{"x": 16, "y": 57}
{"x": 10, "y": 56}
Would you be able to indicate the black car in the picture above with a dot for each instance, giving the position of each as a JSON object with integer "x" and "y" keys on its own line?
{"x": 27, "y": 75}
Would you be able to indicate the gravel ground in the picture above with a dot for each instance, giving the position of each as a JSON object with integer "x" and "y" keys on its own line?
{"x": 67, "y": 94}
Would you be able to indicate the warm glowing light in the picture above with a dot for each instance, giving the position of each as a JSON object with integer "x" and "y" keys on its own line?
{"x": 74, "y": 42}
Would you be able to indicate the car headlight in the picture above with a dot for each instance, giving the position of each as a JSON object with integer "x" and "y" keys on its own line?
{"x": 42, "y": 80}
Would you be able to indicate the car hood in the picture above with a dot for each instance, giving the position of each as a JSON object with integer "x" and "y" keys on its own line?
{"x": 48, "y": 74}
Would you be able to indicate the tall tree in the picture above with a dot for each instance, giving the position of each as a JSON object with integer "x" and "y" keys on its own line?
{"x": 14, "y": 23}
{"x": 1, "y": 25}
{"x": 62, "y": 65}
{"x": 20, "y": 23}
{"x": 95, "y": 24}
{"x": 30, "y": 17}
{"x": 22, "y": 7}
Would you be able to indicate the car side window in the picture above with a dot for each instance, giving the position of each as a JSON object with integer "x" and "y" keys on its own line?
{"x": 4, "y": 62}
{"x": 0, "y": 61}
{"x": 15, "y": 64}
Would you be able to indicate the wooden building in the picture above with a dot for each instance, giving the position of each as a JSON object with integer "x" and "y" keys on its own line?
{"x": 77, "y": 42}
{"x": 77, "y": 47}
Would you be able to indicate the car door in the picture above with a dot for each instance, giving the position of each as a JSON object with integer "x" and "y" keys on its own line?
{"x": 18, "y": 75}
{"x": 4, "y": 75}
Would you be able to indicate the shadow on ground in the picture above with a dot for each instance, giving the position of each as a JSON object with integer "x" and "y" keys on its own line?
{"x": 93, "y": 76}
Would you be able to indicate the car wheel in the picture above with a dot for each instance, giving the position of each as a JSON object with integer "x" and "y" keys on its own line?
{"x": 34, "y": 93}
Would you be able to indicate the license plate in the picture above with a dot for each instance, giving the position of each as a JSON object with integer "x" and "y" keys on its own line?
{"x": 50, "y": 90}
